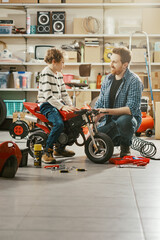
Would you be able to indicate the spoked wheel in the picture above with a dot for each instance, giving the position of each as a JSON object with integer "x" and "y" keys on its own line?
{"x": 105, "y": 148}
{"x": 38, "y": 137}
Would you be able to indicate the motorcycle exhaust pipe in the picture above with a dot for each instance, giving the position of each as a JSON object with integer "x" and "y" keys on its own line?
{"x": 30, "y": 118}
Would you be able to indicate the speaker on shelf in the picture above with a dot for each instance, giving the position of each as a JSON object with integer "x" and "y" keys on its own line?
{"x": 43, "y": 22}
{"x": 58, "y": 22}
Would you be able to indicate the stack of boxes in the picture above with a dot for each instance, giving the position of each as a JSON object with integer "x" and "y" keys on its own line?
{"x": 6, "y": 26}
{"x": 92, "y": 50}
{"x": 157, "y": 52}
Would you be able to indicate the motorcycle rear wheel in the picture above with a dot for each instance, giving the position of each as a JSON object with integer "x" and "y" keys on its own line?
{"x": 38, "y": 137}
{"x": 105, "y": 148}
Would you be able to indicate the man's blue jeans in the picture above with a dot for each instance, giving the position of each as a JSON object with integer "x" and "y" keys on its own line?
{"x": 53, "y": 115}
{"x": 120, "y": 130}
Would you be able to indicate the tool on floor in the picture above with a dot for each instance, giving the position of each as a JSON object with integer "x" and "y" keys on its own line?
{"x": 138, "y": 161}
{"x": 64, "y": 171}
{"x": 130, "y": 166}
{"x": 81, "y": 169}
{"x": 55, "y": 166}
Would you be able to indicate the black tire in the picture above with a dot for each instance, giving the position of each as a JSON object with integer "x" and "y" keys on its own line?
{"x": 149, "y": 133}
{"x": 10, "y": 167}
{"x": 3, "y": 111}
{"x": 138, "y": 134}
{"x": 38, "y": 137}
{"x": 105, "y": 148}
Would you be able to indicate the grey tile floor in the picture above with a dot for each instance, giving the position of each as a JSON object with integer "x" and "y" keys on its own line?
{"x": 105, "y": 202}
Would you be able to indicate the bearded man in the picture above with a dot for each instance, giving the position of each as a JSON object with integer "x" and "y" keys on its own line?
{"x": 119, "y": 102}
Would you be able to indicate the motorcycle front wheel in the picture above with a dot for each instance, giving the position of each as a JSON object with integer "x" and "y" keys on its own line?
{"x": 105, "y": 148}
{"x": 37, "y": 137}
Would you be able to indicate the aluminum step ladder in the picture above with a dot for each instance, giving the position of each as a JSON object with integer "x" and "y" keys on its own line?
{"x": 147, "y": 62}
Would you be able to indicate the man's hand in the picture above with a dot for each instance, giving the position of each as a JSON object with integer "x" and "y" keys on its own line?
{"x": 69, "y": 108}
{"x": 102, "y": 113}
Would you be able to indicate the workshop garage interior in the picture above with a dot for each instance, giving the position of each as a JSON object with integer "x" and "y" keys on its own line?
{"x": 80, "y": 119}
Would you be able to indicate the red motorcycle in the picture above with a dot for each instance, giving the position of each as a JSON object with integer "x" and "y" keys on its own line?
{"x": 98, "y": 146}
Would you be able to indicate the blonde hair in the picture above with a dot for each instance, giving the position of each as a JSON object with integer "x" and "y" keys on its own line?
{"x": 53, "y": 54}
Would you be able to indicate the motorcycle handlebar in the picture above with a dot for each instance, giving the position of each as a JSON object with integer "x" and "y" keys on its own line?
{"x": 83, "y": 111}
{"x": 94, "y": 111}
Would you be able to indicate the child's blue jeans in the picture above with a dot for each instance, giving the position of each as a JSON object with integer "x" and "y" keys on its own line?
{"x": 53, "y": 115}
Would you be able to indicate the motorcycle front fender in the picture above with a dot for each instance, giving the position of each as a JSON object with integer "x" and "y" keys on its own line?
{"x": 44, "y": 128}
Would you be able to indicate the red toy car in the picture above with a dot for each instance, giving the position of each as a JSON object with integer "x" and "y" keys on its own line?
{"x": 10, "y": 158}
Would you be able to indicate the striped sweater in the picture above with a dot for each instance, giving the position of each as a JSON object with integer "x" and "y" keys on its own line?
{"x": 52, "y": 89}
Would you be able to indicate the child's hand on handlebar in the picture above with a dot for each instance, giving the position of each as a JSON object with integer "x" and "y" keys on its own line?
{"x": 69, "y": 108}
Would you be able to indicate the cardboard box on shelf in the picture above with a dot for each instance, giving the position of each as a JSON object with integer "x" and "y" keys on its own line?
{"x": 121, "y": 1}
{"x": 71, "y": 56}
{"x": 92, "y": 54}
{"x": 83, "y": 98}
{"x": 157, "y": 120}
{"x": 138, "y": 55}
{"x": 146, "y": 1}
{"x": 49, "y": 1}
{"x": 78, "y": 26}
{"x": 84, "y": 1}
{"x": 157, "y": 46}
{"x": 155, "y": 80}
{"x": 157, "y": 56}
{"x": 144, "y": 78}
{"x": 150, "y": 20}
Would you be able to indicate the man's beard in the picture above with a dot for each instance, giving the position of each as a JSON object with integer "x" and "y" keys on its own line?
{"x": 115, "y": 72}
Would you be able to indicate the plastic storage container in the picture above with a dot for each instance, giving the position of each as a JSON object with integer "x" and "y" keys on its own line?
{"x": 67, "y": 79}
{"x": 14, "y": 106}
{"x": 22, "y": 79}
{"x": 5, "y": 29}
{"x": 4, "y": 79}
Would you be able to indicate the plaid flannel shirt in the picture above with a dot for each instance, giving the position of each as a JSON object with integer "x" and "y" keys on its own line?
{"x": 129, "y": 94}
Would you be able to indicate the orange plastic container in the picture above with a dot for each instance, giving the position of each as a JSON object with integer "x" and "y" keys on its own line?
{"x": 147, "y": 123}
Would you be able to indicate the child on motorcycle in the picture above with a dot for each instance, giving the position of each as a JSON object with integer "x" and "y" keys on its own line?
{"x": 52, "y": 96}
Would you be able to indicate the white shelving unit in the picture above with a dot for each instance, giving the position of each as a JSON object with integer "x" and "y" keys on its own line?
{"x": 97, "y": 10}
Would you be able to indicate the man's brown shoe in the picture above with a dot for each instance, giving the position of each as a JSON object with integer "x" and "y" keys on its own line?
{"x": 63, "y": 152}
{"x": 48, "y": 158}
{"x": 125, "y": 151}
